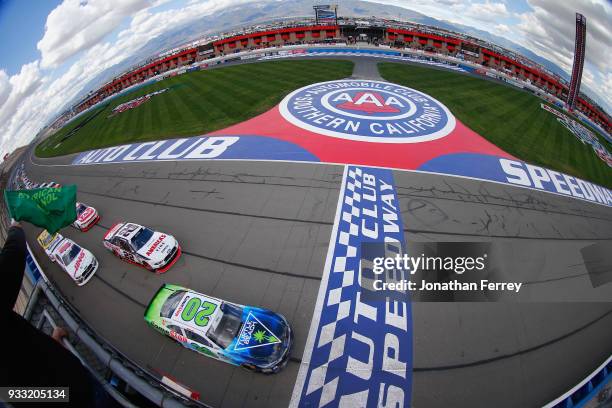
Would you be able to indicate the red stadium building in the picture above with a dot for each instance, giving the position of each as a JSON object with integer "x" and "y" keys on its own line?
{"x": 276, "y": 37}
{"x": 395, "y": 34}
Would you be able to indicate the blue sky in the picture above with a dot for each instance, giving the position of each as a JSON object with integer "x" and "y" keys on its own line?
{"x": 22, "y": 25}
{"x": 52, "y": 49}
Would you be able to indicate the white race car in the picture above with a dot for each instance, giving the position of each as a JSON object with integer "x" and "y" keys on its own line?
{"x": 50, "y": 184}
{"x": 77, "y": 262}
{"x": 142, "y": 246}
{"x": 28, "y": 183}
{"x": 87, "y": 217}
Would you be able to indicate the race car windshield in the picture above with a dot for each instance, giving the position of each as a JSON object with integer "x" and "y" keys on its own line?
{"x": 80, "y": 209}
{"x": 142, "y": 237}
{"x": 68, "y": 256}
{"x": 171, "y": 303}
{"x": 227, "y": 328}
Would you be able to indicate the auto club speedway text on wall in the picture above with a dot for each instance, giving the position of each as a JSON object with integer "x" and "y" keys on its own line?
{"x": 359, "y": 351}
{"x": 372, "y": 113}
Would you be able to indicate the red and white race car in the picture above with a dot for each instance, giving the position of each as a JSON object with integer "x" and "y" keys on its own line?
{"x": 87, "y": 217}
{"x": 142, "y": 246}
{"x": 77, "y": 262}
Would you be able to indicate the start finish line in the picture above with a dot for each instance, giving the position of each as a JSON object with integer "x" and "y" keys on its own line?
{"x": 359, "y": 348}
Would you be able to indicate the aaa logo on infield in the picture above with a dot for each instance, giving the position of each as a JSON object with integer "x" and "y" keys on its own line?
{"x": 371, "y": 111}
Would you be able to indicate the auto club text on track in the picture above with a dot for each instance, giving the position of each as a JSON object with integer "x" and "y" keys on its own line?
{"x": 186, "y": 148}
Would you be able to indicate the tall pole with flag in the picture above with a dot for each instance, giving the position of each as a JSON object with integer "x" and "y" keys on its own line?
{"x": 579, "y": 47}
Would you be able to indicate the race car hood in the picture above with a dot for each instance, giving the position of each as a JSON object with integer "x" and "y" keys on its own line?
{"x": 155, "y": 307}
{"x": 158, "y": 247}
{"x": 263, "y": 338}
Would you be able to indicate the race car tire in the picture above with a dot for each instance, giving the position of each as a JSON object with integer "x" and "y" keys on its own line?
{"x": 249, "y": 367}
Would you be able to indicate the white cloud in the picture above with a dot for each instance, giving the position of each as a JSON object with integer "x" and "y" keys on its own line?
{"x": 5, "y": 87}
{"x": 501, "y": 29}
{"x": 477, "y": 14}
{"x": 549, "y": 31}
{"x": 18, "y": 88}
{"x": 606, "y": 87}
{"x": 550, "y": 26}
{"x": 15, "y": 97}
{"x": 78, "y": 30}
{"x": 488, "y": 11}
{"x": 77, "y": 25}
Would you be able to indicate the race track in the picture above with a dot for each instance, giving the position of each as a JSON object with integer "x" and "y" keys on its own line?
{"x": 257, "y": 233}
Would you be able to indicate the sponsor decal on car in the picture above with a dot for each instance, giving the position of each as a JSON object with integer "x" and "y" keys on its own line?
{"x": 178, "y": 336}
{"x": 197, "y": 311}
{"x": 155, "y": 244}
{"x": 65, "y": 247}
{"x": 79, "y": 260}
{"x": 179, "y": 309}
{"x": 88, "y": 212}
{"x": 365, "y": 110}
{"x": 254, "y": 334}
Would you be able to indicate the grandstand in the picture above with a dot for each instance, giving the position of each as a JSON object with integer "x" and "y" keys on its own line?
{"x": 384, "y": 33}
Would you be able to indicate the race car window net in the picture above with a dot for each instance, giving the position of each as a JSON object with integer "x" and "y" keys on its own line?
{"x": 68, "y": 256}
{"x": 175, "y": 329}
{"x": 227, "y": 328}
{"x": 196, "y": 337}
{"x": 171, "y": 303}
{"x": 142, "y": 237}
{"x": 124, "y": 245}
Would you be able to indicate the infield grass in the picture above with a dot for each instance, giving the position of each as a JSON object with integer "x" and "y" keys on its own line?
{"x": 196, "y": 103}
{"x": 508, "y": 117}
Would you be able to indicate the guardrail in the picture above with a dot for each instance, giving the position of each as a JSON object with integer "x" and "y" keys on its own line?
{"x": 163, "y": 394}
{"x": 586, "y": 390}
{"x": 157, "y": 388}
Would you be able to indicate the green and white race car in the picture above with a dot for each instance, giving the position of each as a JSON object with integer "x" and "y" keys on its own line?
{"x": 251, "y": 337}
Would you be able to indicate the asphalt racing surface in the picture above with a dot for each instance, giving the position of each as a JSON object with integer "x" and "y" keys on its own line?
{"x": 257, "y": 233}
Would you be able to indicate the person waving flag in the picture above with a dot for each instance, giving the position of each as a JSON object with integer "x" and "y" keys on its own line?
{"x": 48, "y": 208}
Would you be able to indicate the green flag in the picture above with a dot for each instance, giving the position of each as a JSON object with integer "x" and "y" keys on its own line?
{"x": 48, "y": 208}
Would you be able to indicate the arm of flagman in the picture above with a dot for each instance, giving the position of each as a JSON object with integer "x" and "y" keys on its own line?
{"x": 34, "y": 359}
{"x": 12, "y": 266}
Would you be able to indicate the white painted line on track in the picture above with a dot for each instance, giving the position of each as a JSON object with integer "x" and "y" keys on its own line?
{"x": 314, "y": 324}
